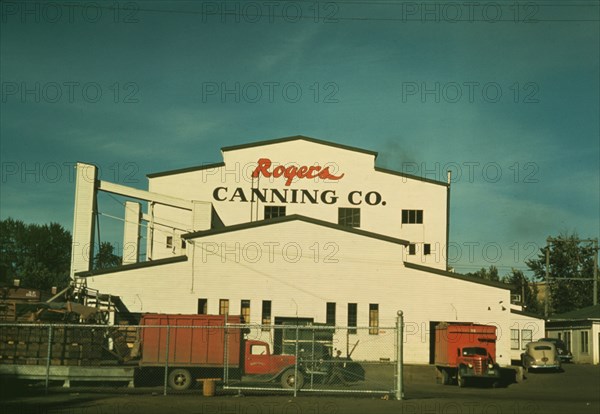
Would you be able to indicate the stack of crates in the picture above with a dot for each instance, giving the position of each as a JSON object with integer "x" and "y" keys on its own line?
{"x": 70, "y": 345}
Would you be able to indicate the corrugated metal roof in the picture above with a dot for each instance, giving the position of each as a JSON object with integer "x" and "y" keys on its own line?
{"x": 589, "y": 313}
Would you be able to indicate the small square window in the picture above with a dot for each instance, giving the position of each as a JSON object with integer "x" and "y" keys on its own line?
{"x": 202, "y": 306}
{"x": 266, "y": 315}
{"x": 169, "y": 242}
{"x": 373, "y": 319}
{"x": 426, "y": 249}
{"x": 412, "y": 216}
{"x": 223, "y": 306}
{"x": 274, "y": 212}
{"x": 245, "y": 310}
{"x": 349, "y": 217}
{"x": 330, "y": 313}
{"x": 585, "y": 342}
{"x": 412, "y": 249}
{"x": 352, "y": 317}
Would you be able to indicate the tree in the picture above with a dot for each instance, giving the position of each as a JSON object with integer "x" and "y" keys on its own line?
{"x": 491, "y": 274}
{"x": 525, "y": 288}
{"x": 570, "y": 260}
{"x": 105, "y": 258}
{"x": 38, "y": 255}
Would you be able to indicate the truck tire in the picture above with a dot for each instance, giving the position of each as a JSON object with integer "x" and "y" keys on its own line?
{"x": 289, "y": 380}
{"x": 179, "y": 379}
{"x": 462, "y": 381}
{"x": 445, "y": 377}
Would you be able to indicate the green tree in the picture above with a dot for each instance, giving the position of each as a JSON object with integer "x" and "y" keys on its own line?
{"x": 38, "y": 255}
{"x": 526, "y": 288}
{"x": 570, "y": 260}
{"x": 105, "y": 258}
{"x": 487, "y": 274}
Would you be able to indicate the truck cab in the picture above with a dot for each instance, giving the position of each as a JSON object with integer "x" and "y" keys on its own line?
{"x": 258, "y": 359}
{"x": 261, "y": 365}
{"x": 475, "y": 361}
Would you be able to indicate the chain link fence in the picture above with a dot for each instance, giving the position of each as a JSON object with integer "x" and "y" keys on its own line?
{"x": 178, "y": 356}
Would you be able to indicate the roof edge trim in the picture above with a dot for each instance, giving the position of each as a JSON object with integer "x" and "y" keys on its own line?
{"x": 293, "y": 217}
{"x": 186, "y": 170}
{"x": 132, "y": 266}
{"x": 296, "y": 138}
{"x": 466, "y": 278}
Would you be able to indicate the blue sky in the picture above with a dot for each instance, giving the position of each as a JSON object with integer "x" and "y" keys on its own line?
{"x": 506, "y": 96}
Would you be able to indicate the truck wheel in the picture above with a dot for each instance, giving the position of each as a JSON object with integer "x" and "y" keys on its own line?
{"x": 445, "y": 377}
{"x": 289, "y": 380}
{"x": 461, "y": 380}
{"x": 180, "y": 379}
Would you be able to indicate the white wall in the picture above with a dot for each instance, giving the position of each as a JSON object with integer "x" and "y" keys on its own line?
{"x": 359, "y": 175}
{"x": 525, "y": 323}
{"x": 593, "y": 332}
{"x": 262, "y": 263}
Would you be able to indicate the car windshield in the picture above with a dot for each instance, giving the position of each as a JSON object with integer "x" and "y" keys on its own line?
{"x": 555, "y": 341}
{"x": 474, "y": 351}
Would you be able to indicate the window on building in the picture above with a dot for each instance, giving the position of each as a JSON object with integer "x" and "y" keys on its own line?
{"x": 349, "y": 217}
{"x": 183, "y": 244}
{"x": 585, "y": 345}
{"x": 412, "y": 216}
{"x": 169, "y": 242}
{"x": 352, "y": 317}
{"x": 274, "y": 212}
{"x": 266, "y": 314}
{"x": 223, "y": 306}
{"x": 514, "y": 339}
{"x": 412, "y": 249}
{"x": 426, "y": 249}
{"x": 245, "y": 310}
{"x": 567, "y": 340}
{"x": 526, "y": 337}
{"x": 202, "y": 306}
{"x": 330, "y": 314}
{"x": 374, "y": 319}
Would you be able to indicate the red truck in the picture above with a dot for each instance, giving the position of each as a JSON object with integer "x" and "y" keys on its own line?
{"x": 197, "y": 345}
{"x": 466, "y": 352}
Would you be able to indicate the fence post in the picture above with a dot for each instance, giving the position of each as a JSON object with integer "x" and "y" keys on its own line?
{"x": 296, "y": 364}
{"x": 48, "y": 357}
{"x": 226, "y": 350}
{"x": 167, "y": 360}
{"x": 400, "y": 363}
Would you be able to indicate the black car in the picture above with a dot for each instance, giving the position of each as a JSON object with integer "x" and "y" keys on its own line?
{"x": 563, "y": 353}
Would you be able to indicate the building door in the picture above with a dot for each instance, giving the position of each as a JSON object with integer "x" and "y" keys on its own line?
{"x": 432, "y": 325}
{"x": 278, "y": 334}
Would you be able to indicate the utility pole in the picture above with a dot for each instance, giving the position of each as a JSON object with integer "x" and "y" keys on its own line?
{"x": 595, "y": 272}
{"x": 546, "y": 302}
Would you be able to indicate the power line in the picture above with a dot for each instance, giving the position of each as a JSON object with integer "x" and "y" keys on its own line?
{"x": 324, "y": 19}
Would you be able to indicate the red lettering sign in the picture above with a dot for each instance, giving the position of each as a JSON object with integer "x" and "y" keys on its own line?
{"x": 293, "y": 172}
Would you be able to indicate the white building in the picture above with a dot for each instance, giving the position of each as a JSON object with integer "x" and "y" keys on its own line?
{"x": 295, "y": 228}
{"x": 580, "y": 331}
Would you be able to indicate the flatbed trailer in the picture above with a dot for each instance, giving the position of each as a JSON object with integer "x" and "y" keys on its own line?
{"x": 70, "y": 373}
